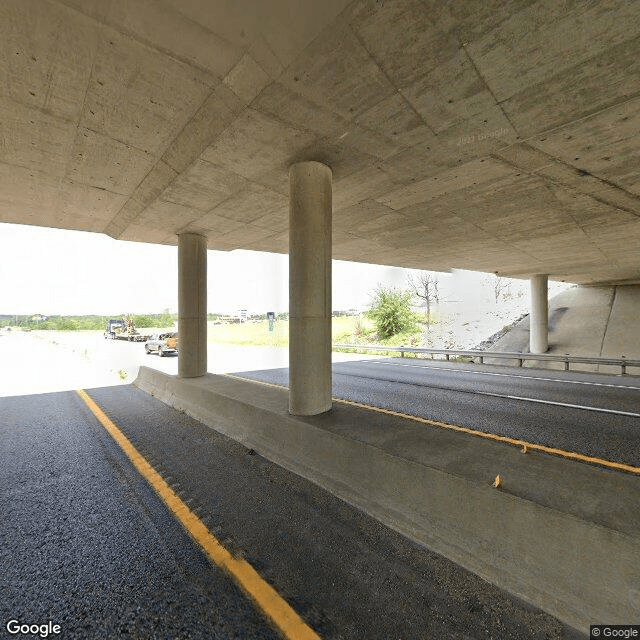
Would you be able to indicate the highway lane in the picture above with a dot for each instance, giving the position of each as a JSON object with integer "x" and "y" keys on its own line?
{"x": 49, "y": 361}
{"x": 595, "y": 415}
{"x": 88, "y": 544}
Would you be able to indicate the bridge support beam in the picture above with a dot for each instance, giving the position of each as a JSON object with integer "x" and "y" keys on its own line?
{"x": 309, "y": 288}
{"x": 192, "y": 305}
{"x": 539, "y": 319}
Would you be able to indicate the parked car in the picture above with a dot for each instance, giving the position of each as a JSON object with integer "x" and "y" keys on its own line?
{"x": 162, "y": 344}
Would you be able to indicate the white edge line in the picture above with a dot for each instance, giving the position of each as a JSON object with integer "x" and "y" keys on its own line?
{"x": 563, "y": 404}
{"x": 482, "y": 393}
{"x": 504, "y": 375}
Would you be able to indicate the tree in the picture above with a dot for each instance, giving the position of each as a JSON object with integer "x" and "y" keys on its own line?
{"x": 67, "y": 324}
{"x": 424, "y": 286}
{"x": 143, "y": 321}
{"x": 391, "y": 311}
{"x": 501, "y": 288}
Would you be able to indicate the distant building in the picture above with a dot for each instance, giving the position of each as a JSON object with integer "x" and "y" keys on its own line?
{"x": 242, "y": 315}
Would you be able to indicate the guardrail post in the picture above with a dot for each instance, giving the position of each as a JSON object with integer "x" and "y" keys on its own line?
{"x": 520, "y": 360}
{"x": 623, "y": 367}
{"x": 446, "y": 355}
{"x": 481, "y": 359}
{"x": 401, "y": 351}
{"x": 566, "y": 362}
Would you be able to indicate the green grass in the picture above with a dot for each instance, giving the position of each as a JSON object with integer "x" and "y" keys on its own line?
{"x": 257, "y": 334}
{"x": 345, "y": 330}
{"x": 250, "y": 333}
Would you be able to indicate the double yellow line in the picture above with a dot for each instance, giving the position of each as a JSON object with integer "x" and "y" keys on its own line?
{"x": 267, "y": 599}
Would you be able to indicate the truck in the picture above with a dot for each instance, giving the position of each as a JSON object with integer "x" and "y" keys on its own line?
{"x": 123, "y": 329}
{"x": 162, "y": 344}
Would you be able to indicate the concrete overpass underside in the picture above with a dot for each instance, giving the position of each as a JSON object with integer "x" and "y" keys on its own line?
{"x": 497, "y": 136}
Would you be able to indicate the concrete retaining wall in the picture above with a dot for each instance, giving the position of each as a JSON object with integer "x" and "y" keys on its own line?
{"x": 580, "y": 564}
{"x": 592, "y": 321}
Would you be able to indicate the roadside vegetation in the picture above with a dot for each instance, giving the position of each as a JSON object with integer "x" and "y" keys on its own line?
{"x": 390, "y": 322}
{"x": 256, "y": 332}
{"x": 251, "y": 333}
{"x": 83, "y": 323}
{"x": 98, "y": 323}
{"x": 419, "y": 315}
{"x": 391, "y": 313}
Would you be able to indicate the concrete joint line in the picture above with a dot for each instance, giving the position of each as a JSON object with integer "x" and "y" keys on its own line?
{"x": 606, "y": 326}
{"x": 497, "y": 102}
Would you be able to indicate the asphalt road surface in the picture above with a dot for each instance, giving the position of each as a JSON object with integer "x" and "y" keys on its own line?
{"x": 592, "y": 414}
{"x": 47, "y": 361}
{"x": 86, "y": 543}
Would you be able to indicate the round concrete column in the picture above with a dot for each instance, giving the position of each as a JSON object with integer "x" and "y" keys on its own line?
{"x": 192, "y": 305}
{"x": 539, "y": 319}
{"x": 309, "y": 288}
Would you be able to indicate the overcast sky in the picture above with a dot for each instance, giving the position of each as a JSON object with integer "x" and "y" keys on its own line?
{"x": 57, "y": 272}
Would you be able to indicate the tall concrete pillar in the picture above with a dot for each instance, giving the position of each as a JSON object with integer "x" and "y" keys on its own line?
{"x": 192, "y": 305}
{"x": 309, "y": 288}
{"x": 539, "y": 319}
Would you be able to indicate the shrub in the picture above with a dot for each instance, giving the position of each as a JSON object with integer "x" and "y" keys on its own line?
{"x": 391, "y": 312}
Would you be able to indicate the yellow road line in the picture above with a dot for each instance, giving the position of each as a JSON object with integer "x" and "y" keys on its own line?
{"x": 474, "y": 432}
{"x": 272, "y": 605}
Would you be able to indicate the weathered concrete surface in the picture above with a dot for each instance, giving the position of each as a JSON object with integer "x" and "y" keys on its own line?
{"x": 584, "y": 321}
{"x": 479, "y": 135}
{"x": 622, "y": 337}
{"x": 310, "y": 289}
{"x": 539, "y": 316}
{"x": 192, "y": 305}
{"x": 559, "y": 534}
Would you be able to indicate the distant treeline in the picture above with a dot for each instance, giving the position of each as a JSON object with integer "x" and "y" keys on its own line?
{"x": 98, "y": 323}
{"x": 81, "y": 323}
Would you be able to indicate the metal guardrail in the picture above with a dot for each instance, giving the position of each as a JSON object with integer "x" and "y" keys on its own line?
{"x": 567, "y": 359}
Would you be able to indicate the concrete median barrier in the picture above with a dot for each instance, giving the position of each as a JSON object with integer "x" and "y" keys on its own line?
{"x": 561, "y": 535}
